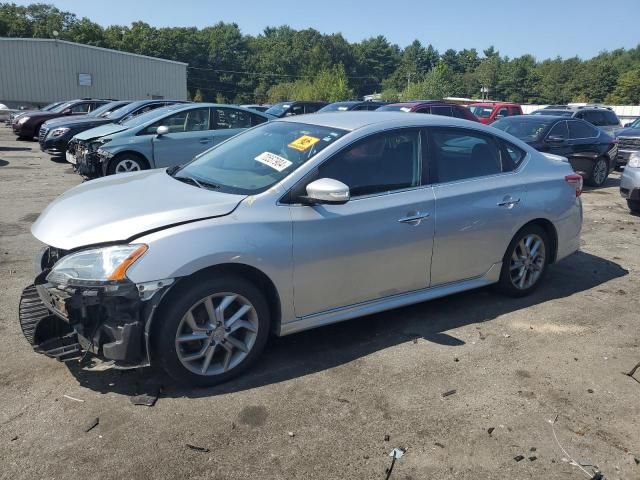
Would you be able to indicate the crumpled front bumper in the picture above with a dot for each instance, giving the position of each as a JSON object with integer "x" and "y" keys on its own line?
{"x": 111, "y": 321}
{"x": 88, "y": 164}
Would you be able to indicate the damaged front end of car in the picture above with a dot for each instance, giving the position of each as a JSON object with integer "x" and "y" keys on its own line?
{"x": 88, "y": 162}
{"x": 67, "y": 315}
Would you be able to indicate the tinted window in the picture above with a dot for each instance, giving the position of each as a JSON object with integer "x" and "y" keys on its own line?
{"x": 527, "y": 129}
{"x": 559, "y": 130}
{"x": 611, "y": 118}
{"x": 377, "y": 164}
{"x": 594, "y": 117}
{"x": 459, "y": 112}
{"x": 311, "y": 107}
{"x": 581, "y": 130}
{"x": 296, "y": 110}
{"x": 514, "y": 155}
{"x": 457, "y": 154}
{"x": 80, "y": 108}
{"x": 185, "y": 121}
{"x": 503, "y": 112}
{"x": 232, "y": 118}
{"x": 442, "y": 110}
{"x": 423, "y": 110}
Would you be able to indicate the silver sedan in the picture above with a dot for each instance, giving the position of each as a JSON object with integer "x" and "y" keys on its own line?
{"x": 291, "y": 225}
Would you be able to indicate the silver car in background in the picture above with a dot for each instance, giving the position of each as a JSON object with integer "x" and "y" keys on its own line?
{"x": 630, "y": 182}
{"x": 291, "y": 225}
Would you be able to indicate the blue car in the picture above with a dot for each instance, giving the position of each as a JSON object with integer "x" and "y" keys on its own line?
{"x": 164, "y": 137}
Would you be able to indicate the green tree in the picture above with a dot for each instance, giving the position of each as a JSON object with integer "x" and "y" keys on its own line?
{"x": 627, "y": 91}
{"x": 438, "y": 83}
{"x": 487, "y": 73}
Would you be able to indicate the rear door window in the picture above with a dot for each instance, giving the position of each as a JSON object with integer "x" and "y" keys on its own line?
{"x": 611, "y": 118}
{"x": 559, "y": 130}
{"x": 228, "y": 118}
{"x": 458, "y": 154}
{"x": 443, "y": 110}
{"x": 578, "y": 130}
{"x": 503, "y": 112}
{"x": 424, "y": 110}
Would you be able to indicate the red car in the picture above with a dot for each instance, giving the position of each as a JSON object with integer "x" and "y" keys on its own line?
{"x": 434, "y": 107}
{"x": 488, "y": 112}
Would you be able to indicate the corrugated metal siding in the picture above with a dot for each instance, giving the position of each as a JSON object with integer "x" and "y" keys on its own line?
{"x": 43, "y": 71}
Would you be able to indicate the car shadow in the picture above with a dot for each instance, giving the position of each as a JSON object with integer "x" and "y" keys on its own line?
{"x": 3, "y": 163}
{"x": 15, "y": 149}
{"x": 609, "y": 182}
{"x": 323, "y": 348}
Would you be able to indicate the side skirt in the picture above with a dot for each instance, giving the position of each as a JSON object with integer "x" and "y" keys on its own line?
{"x": 389, "y": 303}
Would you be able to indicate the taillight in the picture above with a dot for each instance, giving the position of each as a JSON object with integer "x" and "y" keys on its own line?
{"x": 576, "y": 181}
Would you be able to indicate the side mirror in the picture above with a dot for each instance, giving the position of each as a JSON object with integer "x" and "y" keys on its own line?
{"x": 327, "y": 191}
{"x": 162, "y": 130}
{"x": 555, "y": 139}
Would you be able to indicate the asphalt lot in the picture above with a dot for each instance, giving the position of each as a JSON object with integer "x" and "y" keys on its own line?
{"x": 333, "y": 402}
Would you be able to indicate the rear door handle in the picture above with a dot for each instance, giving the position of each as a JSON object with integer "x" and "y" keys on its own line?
{"x": 414, "y": 219}
{"x": 509, "y": 202}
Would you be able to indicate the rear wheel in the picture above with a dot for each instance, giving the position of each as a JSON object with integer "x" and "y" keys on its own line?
{"x": 126, "y": 163}
{"x": 211, "y": 330}
{"x": 634, "y": 205}
{"x": 599, "y": 173}
{"x": 525, "y": 262}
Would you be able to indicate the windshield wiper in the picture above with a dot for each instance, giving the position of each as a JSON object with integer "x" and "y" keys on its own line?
{"x": 197, "y": 183}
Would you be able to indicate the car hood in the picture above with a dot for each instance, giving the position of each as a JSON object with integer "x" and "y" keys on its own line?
{"x": 628, "y": 132}
{"x": 120, "y": 207}
{"x": 101, "y": 131}
{"x": 77, "y": 122}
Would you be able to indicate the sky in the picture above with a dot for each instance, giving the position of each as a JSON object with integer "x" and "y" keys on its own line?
{"x": 543, "y": 28}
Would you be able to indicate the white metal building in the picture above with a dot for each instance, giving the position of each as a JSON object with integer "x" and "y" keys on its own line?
{"x": 36, "y": 71}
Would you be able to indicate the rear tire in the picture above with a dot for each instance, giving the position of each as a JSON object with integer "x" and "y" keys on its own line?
{"x": 229, "y": 320}
{"x": 524, "y": 264}
{"x": 126, "y": 163}
{"x": 599, "y": 173}
{"x": 634, "y": 205}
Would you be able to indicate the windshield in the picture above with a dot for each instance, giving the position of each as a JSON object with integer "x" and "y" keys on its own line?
{"x": 560, "y": 113}
{"x": 251, "y": 162}
{"x": 51, "y": 106}
{"x": 526, "y": 130}
{"x": 481, "y": 111}
{"x": 147, "y": 116}
{"x": 279, "y": 108}
{"x": 635, "y": 124}
{"x": 337, "y": 107}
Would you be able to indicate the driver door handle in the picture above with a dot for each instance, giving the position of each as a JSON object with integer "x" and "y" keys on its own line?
{"x": 414, "y": 219}
{"x": 509, "y": 202}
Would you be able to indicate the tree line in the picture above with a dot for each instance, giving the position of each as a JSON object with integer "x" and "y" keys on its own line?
{"x": 282, "y": 63}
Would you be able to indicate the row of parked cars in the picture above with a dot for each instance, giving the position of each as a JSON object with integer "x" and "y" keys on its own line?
{"x": 102, "y": 137}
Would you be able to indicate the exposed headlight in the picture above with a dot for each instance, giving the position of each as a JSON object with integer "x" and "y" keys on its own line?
{"x": 96, "y": 144}
{"x": 58, "y": 132}
{"x": 634, "y": 160}
{"x": 97, "y": 265}
{"x": 22, "y": 120}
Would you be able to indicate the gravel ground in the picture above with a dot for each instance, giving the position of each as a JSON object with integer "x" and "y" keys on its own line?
{"x": 332, "y": 403}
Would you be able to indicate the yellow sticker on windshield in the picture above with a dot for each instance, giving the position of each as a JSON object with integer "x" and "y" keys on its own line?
{"x": 303, "y": 143}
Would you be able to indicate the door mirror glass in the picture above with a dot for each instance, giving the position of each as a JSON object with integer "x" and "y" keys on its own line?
{"x": 162, "y": 130}
{"x": 327, "y": 190}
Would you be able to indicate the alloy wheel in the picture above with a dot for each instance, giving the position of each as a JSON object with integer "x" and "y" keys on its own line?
{"x": 127, "y": 165}
{"x": 216, "y": 334}
{"x": 527, "y": 261}
{"x": 599, "y": 172}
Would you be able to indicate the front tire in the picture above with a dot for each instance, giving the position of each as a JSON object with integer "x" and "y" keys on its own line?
{"x": 126, "y": 163}
{"x": 634, "y": 205}
{"x": 525, "y": 262}
{"x": 599, "y": 173}
{"x": 211, "y": 330}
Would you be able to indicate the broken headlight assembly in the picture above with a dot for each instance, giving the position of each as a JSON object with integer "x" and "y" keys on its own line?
{"x": 96, "y": 144}
{"x": 96, "y": 266}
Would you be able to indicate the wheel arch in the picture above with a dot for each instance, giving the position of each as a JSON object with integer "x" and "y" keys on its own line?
{"x": 257, "y": 277}
{"x": 550, "y": 229}
{"x": 131, "y": 153}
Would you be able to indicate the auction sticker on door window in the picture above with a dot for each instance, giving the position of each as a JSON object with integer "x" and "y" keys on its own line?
{"x": 303, "y": 143}
{"x": 274, "y": 161}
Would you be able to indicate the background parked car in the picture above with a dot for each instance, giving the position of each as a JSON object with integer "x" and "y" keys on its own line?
{"x": 286, "y": 109}
{"x": 602, "y": 117}
{"x": 55, "y": 135}
{"x": 488, "y": 112}
{"x": 434, "y": 107}
{"x": 591, "y": 152}
{"x": 15, "y": 114}
{"x": 630, "y": 183}
{"x": 168, "y": 136}
{"x": 28, "y": 125}
{"x": 628, "y": 142}
{"x": 354, "y": 105}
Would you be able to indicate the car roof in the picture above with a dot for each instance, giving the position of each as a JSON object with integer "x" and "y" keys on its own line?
{"x": 354, "y": 120}
{"x": 414, "y": 103}
{"x": 493, "y": 104}
{"x": 533, "y": 118}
